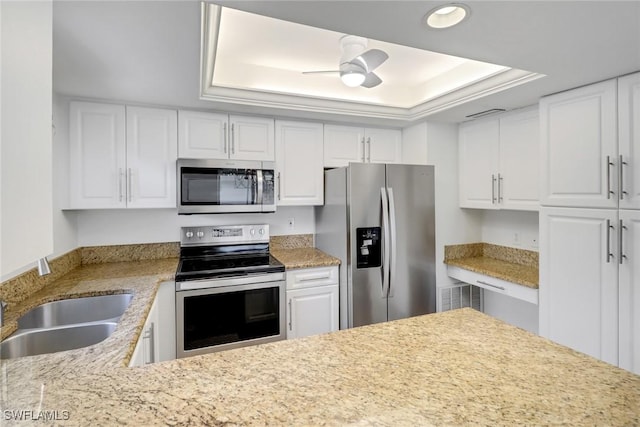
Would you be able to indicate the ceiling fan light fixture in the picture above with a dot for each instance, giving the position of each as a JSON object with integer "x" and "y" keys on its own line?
{"x": 447, "y": 15}
{"x": 352, "y": 78}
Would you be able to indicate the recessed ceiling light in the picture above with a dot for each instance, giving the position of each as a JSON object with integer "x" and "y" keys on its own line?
{"x": 447, "y": 15}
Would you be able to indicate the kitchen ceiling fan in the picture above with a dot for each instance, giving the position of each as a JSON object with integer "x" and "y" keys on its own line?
{"x": 356, "y": 64}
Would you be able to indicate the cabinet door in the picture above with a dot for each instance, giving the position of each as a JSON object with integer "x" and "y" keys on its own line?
{"x": 478, "y": 151}
{"x": 630, "y": 291}
{"x": 145, "y": 351}
{"x": 629, "y": 140}
{"x": 151, "y": 157}
{"x": 518, "y": 180}
{"x": 299, "y": 170}
{"x": 252, "y": 138}
{"x": 343, "y": 145}
{"x": 383, "y": 145}
{"x": 312, "y": 311}
{"x": 579, "y": 280}
{"x": 97, "y": 156}
{"x": 203, "y": 135}
{"x": 579, "y": 156}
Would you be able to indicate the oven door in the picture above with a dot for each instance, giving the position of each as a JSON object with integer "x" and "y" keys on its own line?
{"x": 237, "y": 312}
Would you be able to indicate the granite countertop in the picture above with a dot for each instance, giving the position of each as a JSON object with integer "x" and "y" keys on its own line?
{"x": 141, "y": 278}
{"x": 459, "y": 367}
{"x": 510, "y": 264}
{"x": 306, "y": 257}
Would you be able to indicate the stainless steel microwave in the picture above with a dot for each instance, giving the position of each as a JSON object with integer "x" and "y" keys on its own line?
{"x": 225, "y": 186}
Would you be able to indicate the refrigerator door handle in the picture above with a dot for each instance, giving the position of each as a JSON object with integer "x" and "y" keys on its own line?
{"x": 385, "y": 242}
{"x": 393, "y": 259}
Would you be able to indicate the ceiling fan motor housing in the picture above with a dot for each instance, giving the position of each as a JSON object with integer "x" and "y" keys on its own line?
{"x": 352, "y": 46}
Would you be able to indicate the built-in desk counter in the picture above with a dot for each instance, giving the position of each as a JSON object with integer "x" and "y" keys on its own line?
{"x": 501, "y": 269}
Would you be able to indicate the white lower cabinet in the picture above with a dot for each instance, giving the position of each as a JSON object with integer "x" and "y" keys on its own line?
{"x": 157, "y": 340}
{"x": 312, "y": 301}
{"x": 629, "y": 288}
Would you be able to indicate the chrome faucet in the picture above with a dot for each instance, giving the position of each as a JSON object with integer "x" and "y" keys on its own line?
{"x": 3, "y": 305}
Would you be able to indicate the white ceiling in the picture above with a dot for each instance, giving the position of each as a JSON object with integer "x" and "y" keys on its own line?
{"x": 148, "y": 52}
{"x": 273, "y": 55}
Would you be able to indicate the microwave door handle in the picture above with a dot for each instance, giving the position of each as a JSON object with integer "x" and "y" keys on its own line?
{"x": 259, "y": 195}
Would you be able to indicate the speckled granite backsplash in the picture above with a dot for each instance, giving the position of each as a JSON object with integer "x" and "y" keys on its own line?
{"x": 21, "y": 287}
{"x": 292, "y": 241}
{"x": 503, "y": 253}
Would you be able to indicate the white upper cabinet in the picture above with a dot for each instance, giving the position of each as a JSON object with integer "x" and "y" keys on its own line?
{"x": 97, "y": 134}
{"x": 299, "y": 169}
{"x": 579, "y": 149}
{"x": 519, "y": 177}
{"x": 122, "y": 157}
{"x": 351, "y": 144}
{"x": 205, "y": 135}
{"x": 479, "y": 151}
{"x": 152, "y": 151}
{"x": 202, "y": 135}
{"x": 498, "y": 161}
{"x": 629, "y": 140}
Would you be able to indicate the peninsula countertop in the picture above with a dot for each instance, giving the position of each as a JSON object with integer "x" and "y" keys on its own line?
{"x": 452, "y": 368}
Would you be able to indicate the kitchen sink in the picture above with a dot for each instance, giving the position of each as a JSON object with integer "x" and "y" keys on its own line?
{"x": 74, "y": 311}
{"x": 42, "y": 341}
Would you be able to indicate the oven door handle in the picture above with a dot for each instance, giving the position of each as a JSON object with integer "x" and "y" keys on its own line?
{"x": 190, "y": 285}
{"x": 259, "y": 193}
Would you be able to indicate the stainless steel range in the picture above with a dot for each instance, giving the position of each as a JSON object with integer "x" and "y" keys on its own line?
{"x": 230, "y": 292}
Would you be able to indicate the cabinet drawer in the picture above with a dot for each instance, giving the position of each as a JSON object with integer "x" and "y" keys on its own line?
{"x": 310, "y": 277}
{"x": 493, "y": 284}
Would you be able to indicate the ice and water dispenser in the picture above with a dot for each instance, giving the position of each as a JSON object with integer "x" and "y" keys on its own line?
{"x": 369, "y": 253}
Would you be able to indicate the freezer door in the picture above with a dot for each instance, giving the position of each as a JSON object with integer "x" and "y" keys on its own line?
{"x": 411, "y": 197}
{"x": 368, "y": 302}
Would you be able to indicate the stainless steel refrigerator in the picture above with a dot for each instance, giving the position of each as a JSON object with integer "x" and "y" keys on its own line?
{"x": 379, "y": 220}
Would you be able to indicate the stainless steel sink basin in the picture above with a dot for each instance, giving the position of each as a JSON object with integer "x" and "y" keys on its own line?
{"x": 75, "y": 310}
{"x": 56, "y": 339}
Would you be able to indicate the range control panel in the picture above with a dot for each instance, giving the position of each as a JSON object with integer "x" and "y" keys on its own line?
{"x": 224, "y": 235}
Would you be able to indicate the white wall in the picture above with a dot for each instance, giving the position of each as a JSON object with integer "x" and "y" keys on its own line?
{"x": 122, "y": 226}
{"x": 517, "y": 229}
{"x": 25, "y": 111}
{"x": 65, "y": 234}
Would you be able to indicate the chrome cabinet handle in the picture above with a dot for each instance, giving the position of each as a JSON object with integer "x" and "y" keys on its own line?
{"x": 609, "y": 254}
{"x": 290, "y": 315}
{"x": 500, "y": 188}
{"x": 364, "y": 150}
{"x": 279, "y": 182}
{"x": 130, "y": 186}
{"x": 224, "y": 141}
{"x": 621, "y": 178}
{"x": 150, "y": 350}
{"x": 369, "y": 145}
{"x": 493, "y": 189}
{"x": 489, "y": 284}
{"x": 621, "y": 254}
{"x": 120, "y": 179}
{"x": 609, "y": 190}
{"x": 233, "y": 138}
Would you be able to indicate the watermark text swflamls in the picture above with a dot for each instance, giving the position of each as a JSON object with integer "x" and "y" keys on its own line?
{"x": 31, "y": 415}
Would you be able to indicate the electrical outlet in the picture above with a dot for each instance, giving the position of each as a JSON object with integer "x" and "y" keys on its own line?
{"x": 291, "y": 222}
{"x": 534, "y": 243}
{"x": 516, "y": 238}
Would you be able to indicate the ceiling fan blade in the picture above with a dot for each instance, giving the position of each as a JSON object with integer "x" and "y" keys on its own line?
{"x": 321, "y": 72}
{"x": 371, "y": 80}
{"x": 372, "y": 59}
